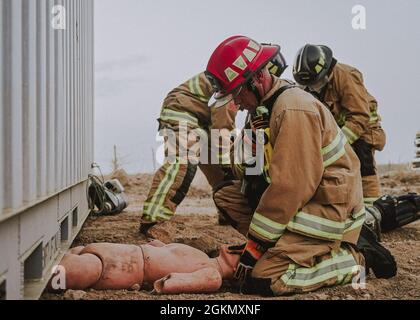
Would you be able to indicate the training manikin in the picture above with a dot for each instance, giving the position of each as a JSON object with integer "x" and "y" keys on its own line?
{"x": 169, "y": 269}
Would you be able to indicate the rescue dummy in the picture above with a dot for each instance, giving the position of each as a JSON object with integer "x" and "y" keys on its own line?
{"x": 168, "y": 269}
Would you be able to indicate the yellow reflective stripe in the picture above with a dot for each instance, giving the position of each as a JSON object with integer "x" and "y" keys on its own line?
{"x": 369, "y": 201}
{"x": 163, "y": 212}
{"x": 335, "y": 150}
{"x": 267, "y": 228}
{"x": 341, "y": 266}
{"x": 156, "y": 203}
{"x": 350, "y": 135}
{"x": 357, "y": 220}
{"x": 374, "y": 117}
{"x": 172, "y": 115}
{"x": 316, "y": 226}
{"x": 195, "y": 89}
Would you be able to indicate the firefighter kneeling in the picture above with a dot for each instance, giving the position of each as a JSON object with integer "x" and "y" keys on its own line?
{"x": 304, "y": 232}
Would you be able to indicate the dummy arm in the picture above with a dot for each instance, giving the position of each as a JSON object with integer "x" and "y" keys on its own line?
{"x": 202, "y": 281}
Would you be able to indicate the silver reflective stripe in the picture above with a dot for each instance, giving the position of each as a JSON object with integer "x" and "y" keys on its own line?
{"x": 267, "y": 228}
{"x": 316, "y": 226}
{"x": 319, "y": 225}
{"x": 341, "y": 266}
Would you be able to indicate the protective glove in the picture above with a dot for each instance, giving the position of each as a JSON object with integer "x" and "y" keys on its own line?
{"x": 237, "y": 249}
{"x": 249, "y": 258}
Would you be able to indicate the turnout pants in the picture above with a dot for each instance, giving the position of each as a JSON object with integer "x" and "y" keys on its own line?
{"x": 301, "y": 264}
{"x": 172, "y": 180}
{"x": 233, "y": 206}
{"x": 370, "y": 178}
{"x": 297, "y": 263}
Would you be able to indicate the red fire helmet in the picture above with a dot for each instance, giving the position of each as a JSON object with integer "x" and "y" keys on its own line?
{"x": 235, "y": 61}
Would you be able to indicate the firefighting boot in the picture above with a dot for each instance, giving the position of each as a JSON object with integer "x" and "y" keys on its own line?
{"x": 377, "y": 257}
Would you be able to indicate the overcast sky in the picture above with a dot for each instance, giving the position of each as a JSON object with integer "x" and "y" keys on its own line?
{"x": 146, "y": 48}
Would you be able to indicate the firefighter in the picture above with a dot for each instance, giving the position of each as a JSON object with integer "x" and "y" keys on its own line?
{"x": 340, "y": 87}
{"x": 304, "y": 232}
{"x": 184, "y": 107}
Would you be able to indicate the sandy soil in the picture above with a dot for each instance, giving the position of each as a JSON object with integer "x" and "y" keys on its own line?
{"x": 196, "y": 225}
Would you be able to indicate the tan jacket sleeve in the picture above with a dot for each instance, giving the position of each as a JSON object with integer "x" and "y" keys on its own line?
{"x": 296, "y": 170}
{"x": 355, "y": 99}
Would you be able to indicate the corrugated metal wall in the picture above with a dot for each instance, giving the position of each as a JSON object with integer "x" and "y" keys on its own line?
{"x": 46, "y": 100}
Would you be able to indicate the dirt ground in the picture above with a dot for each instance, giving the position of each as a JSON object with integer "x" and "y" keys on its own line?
{"x": 196, "y": 225}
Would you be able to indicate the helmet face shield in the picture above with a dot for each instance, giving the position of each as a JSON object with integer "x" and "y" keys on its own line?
{"x": 219, "y": 100}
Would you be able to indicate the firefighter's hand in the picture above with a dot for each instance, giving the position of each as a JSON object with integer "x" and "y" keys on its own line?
{"x": 249, "y": 258}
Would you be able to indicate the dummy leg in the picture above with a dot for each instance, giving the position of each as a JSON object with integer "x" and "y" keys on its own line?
{"x": 202, "y": 281}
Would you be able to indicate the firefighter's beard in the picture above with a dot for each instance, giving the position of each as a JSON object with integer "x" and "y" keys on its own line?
{"x": 247, "y": 101}
{"x": 317, "y": 87}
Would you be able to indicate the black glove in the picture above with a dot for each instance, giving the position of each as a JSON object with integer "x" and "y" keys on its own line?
{"x": 249, "y": 258}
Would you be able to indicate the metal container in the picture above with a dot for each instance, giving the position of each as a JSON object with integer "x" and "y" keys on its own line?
{"x": 46, "y": 145}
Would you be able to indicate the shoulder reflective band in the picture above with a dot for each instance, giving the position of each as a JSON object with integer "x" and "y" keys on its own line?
{"x": 266, "y": 228}
{"x": 335, "y": 150}
{"x": 350, "y": 135}
{"x": 195, "y": 89}
{"x": 374, "y": 117}
{"x": 316, "y": 226}
{"x": 341, "y": 266}
{"x": 176, "y": 116}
